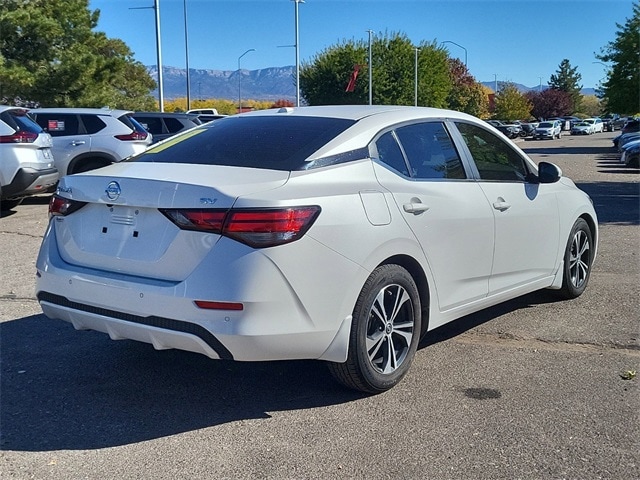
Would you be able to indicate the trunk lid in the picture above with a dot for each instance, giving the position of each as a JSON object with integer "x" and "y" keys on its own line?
{"x": 121, "y": 228}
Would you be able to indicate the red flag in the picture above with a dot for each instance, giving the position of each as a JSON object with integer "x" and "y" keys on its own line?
{"x": 351, "y": 86}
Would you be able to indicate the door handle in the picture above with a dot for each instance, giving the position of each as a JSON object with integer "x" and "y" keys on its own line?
{"x": 415, "y": 208}
{"x": 75, "y": 143}
{"x": 501, "y": 205}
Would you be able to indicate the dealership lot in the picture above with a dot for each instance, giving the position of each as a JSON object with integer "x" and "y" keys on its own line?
{"x": 533, "y": 388}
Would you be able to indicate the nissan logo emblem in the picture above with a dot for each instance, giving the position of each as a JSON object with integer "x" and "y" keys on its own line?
{"x": 113, "y": 191}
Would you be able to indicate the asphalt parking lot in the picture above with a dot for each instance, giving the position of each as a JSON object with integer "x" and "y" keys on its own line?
{"x": 535, "y": 388}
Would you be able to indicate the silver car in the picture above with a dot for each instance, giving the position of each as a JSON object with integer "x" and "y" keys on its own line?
{"x": 89, "y": 138}
{"x": 26, "y": 160}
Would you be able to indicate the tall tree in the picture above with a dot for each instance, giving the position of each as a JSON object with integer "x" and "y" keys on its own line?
{"x": 621, "y": 90}
{"x": 50, "y": 55}
{"x": 549, "y": 103}
{"x": 510, "y": 104}
{"x": 466, "y": 95}
{"x": 566, "y": 79}
{"x": 326, "y": 78}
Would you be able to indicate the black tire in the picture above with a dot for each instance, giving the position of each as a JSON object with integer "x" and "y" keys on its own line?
{"x": 384, "y": 333}
{"x": 578, "y": 258}
{"x": 88, "y": 165}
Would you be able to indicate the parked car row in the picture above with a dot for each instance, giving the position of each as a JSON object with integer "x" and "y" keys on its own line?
{"x": 628, "y": 143}
{"x": 41, "y": 145}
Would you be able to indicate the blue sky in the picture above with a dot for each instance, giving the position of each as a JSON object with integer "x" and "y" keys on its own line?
{"x": 517, "y": 41}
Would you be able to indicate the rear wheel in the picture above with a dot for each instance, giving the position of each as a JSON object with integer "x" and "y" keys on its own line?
{"x": 578, "y": 257}
{"x": 385, "y": 332}
{"x": 89, "y": 164}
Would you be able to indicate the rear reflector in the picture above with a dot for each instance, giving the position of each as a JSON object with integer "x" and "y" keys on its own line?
{"x": 258, "y": 228}
{"x": 208, "y": 305}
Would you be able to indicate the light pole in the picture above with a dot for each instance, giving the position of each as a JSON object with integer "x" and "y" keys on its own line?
{"x": 370, "y": 32}
{"x": 240, "y": 77}
{"x": 415, "y": 79}
{"x": 458, "y": 45}
{"x": 156, "y": 7}
{"x": 186, "y": 55}
{"x": 297, "y": 2}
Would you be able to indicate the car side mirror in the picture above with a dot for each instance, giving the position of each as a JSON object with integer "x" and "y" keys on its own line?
{"x": 548, "y": 172}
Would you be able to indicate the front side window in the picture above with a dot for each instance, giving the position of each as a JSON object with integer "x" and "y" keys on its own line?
{"x": 493, "y": 157}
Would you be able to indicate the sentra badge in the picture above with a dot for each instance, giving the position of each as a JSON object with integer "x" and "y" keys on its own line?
{"x": 113, "y": 191}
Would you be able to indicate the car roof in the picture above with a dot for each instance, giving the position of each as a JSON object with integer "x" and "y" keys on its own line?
{"x": 166, "y": 114}
{"x": 4, "y": 108}
{"x": 359, "y": 112}
{"x": 369, "y": 120}
{"x": 87, "y": 111}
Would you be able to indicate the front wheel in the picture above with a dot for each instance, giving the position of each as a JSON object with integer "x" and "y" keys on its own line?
{"x": 385, "y": 331}
{"x": 578, "y": 258}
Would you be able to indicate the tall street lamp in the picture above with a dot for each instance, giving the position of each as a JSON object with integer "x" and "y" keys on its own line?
{"x": 415, "y": 79}
{"x": 297, "y": 52}
{"x": 156, "y": 7}
{"x": 370, "y": 32}
{"x": 458, "y": 45}
{"x": 240, "y": 77}
{"x": 186, "y": 54}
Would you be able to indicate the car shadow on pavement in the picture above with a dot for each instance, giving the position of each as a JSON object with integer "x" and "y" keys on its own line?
{"x": 469, "y": 322}
{"x": 615, "y": 202}
{"x": 68, "y": 390}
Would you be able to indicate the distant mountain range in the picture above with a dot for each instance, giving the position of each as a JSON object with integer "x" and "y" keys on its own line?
{"x": 272, "y": 83}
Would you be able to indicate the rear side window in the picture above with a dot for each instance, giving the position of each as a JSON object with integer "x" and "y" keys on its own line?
{"x": 173, "y": 124}
{"x": 389, "y": 153}
{"x": 268, "y": 142}
{"x": 92, "y": 123}
{"x": 132, "y": 123}
{"x": 58, "y": 124}
{"x": 151, "y": 124}
{"x": 430, "y": 151}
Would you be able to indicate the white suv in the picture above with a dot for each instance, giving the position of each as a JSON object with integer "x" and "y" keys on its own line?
{"x": 26, "y": 160}
{"x": 89, "y": 138}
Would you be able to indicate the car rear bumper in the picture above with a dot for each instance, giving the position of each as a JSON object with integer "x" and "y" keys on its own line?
{"x": 275, "y": 323}
{"x": 29, "y": 181}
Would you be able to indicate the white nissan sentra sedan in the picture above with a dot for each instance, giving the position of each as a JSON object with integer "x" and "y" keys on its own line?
{"x": 337, "y": 233}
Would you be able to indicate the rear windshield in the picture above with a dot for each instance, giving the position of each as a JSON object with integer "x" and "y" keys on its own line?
{"x": 20, "y": 122}
{"x": 275, "y": 143}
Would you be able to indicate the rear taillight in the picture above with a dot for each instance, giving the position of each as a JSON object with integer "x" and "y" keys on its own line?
{"x": 19, "y": 137}
{"x": 60, "y": 206}
{"x": 135, "y": 135}
{"x": 258, "y": 228}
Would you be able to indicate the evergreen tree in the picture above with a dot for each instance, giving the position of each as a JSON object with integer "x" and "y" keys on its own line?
{"x": 566, "y": 79}
{"x": 621, "y": 90}
{"x": 50, "y": 56}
